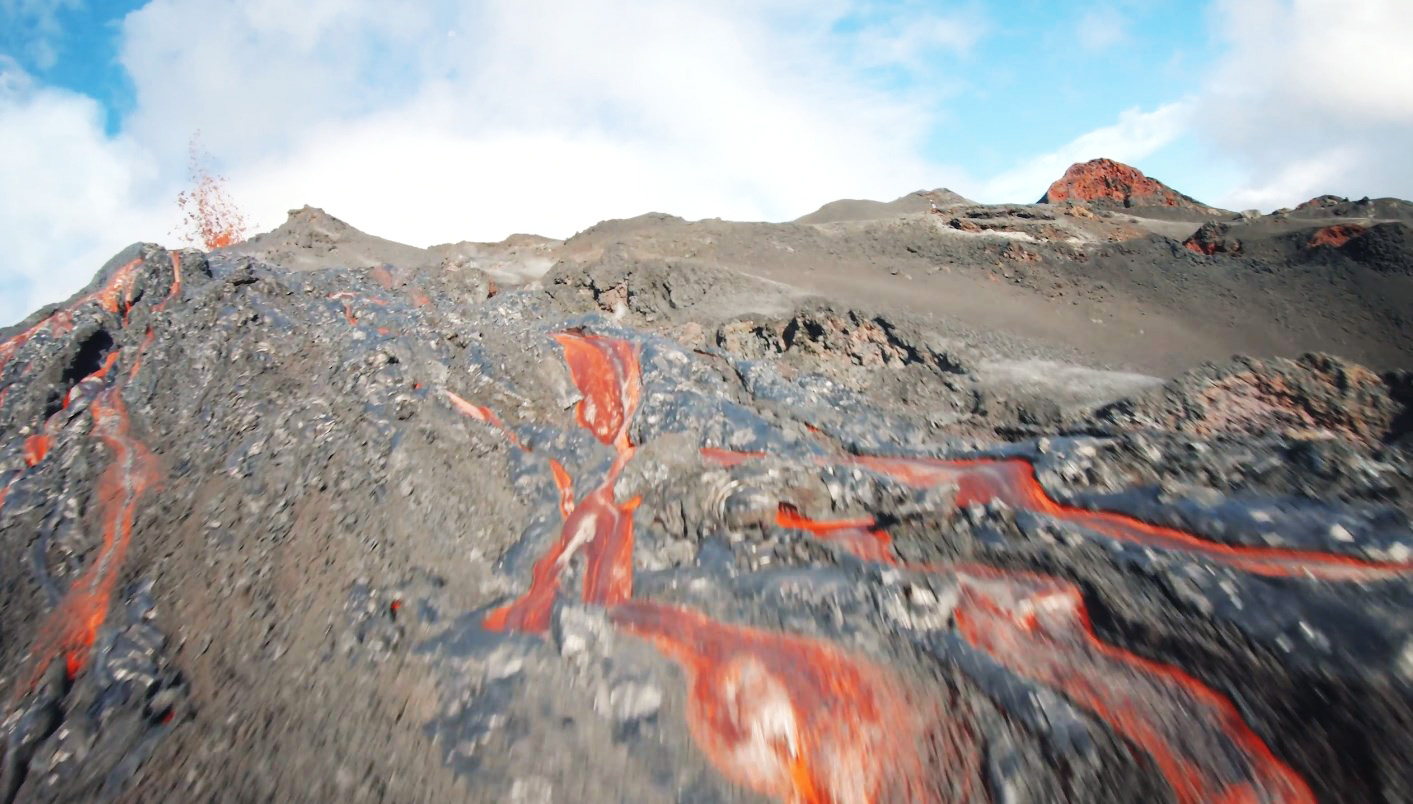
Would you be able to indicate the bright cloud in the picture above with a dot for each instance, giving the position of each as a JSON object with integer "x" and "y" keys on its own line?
{"x": 1313, "y": 97}
{"x": 73, "y": 197}
{"x": 438, "y": 120}
{"x": 441, "y": 121}
{"x": 1101, "y": 27}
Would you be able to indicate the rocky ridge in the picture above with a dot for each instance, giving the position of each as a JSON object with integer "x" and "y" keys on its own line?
{"x": 647, "y": 525}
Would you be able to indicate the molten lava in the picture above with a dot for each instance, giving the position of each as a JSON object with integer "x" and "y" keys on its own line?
{"x": 1038, "y": 627}
{"x": 114, "y": 296}
{"x": 1013, "y": 482}
{"x": 728, "y": 458}
{"x": 70, "y": 629}
{"x": 36, "y": 447}
{"x": 799, "y": 719}
{"x": 858, "y": 536}
{"x": 606, "y": 373}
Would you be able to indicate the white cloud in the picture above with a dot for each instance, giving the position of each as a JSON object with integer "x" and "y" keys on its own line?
{"x": 1136, "y": 135}
{"x": 73, "y": 197}
{"x": 1312, "y": 96}
{"x": 1101, "y": 27}
{"x": 451, "y": 119}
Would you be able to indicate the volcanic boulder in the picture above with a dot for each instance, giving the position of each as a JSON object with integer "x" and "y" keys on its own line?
{"x": 1109, "y": 183}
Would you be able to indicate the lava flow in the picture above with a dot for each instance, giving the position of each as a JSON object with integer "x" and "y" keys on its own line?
{"x": 858, "y": 536}
{"x": 114, "y": 296}
{"x": 70, "y": 629}
{"x": 1013, "y": 482}
{"x": 799, "y": 719}
{"x": 607, "y": 374}
{"x": 1038, "y": 627}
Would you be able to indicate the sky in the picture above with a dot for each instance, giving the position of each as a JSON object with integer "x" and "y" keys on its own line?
{"x": 447, "y": 120}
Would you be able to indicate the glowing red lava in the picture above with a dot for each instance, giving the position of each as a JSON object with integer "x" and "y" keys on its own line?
{"x": 348, "y": 297}
{"x": 728, "y": 458}
{"x": 1039, "y": 628}
{"x": 70, "y": 629}
{"x": 606, "y": 373}
{"x": 36, "y": 447}
{"x": 1013, "y": 482}
{"x": 858, "y": 536}
{"x": 797, "y": 718}
{"x": 115, "y": 296}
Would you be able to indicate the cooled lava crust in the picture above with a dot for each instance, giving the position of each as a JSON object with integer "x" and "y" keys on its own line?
{"x": 375, "y": 534}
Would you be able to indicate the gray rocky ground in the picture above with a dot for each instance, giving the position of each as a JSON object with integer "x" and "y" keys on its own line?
{"x": 895, "y": 505}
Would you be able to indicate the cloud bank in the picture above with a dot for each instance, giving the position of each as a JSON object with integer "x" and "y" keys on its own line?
{"x": 431, "y": 122}
{"x": 437, "y": 121}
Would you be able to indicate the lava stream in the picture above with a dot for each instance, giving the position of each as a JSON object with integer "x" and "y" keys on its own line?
{"x": 1013, "y": 482}
{"x": 606, "y": 373}
{"x": 1038, "y": 627}
{"x": 70, "y": 629}
{"x": 857, "y": 536}
{"x": 799, "y": 719}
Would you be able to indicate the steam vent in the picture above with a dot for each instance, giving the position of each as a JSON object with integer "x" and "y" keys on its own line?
{"x": 921, "y": 500}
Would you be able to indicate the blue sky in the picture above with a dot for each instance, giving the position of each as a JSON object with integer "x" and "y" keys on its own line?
{"x": 436, "y": 120}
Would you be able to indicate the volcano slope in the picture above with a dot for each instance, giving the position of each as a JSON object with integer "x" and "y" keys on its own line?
{"x": 651, "y": 528}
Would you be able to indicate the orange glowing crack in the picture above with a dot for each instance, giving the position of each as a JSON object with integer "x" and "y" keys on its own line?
{"x": 607, "y": 374}
{"x": 798, "y": 719}
{"x": 728, "y": 458}
{"x": 348, "y": 297}
{"x": 70, "y": 629}
{"x": 1038, "y": 627}
{"x": 1013, "y": 482}
{"x": 857, "y": 536}
{"x": 36, "y": 447}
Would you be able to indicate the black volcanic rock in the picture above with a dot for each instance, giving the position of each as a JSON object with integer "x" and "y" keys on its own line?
{"x": 652, "y": 524}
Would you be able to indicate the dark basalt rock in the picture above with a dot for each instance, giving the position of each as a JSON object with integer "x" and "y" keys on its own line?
{"x": 279, "y": 535}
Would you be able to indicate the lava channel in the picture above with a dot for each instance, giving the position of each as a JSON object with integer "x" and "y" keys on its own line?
{"x": 71, "y": 628}
{"x": 607, "y": 374}
{"x": 114, "y": 296}
{"x": 859, "y": 537}
{"x": 1013, "y": 482}
{"x": 801, "y": 720}
{"x": 1038, "y": 627}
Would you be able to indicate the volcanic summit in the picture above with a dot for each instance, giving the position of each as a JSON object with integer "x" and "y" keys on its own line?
{"x": 1108, "y": 183}
{"x": 1103, "y": 498}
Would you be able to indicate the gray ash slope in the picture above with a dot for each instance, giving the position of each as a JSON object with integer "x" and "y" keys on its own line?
{"x": 672, "y": 520}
